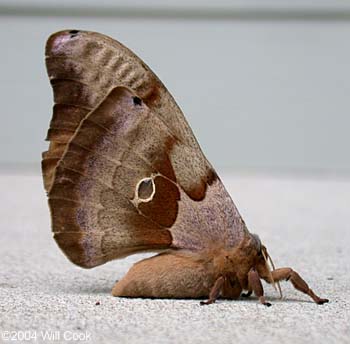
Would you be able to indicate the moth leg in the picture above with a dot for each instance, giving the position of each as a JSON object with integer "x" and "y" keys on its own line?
{"x": 215, "y": 291}
{"x": 298, "y": 283}
{"x": 256, "y": 285}
{"x": 247, "y": 294}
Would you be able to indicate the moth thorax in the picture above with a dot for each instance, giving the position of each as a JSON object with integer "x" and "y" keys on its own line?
{"x": 145, "y": 190}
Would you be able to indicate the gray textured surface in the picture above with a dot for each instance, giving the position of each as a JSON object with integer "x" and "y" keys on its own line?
{"x": 303, "y": 222}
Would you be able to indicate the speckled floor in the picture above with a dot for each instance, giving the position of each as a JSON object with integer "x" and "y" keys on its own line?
{"x": 303, "y": 222}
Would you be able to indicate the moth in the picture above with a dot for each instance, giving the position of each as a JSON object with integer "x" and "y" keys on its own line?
{"x": 125, "y": 174}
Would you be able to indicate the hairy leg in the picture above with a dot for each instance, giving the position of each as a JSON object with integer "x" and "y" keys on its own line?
{"x": 215, "y": 291}
{"x": 289, "y": 274}
{"x": 255, "y": 285}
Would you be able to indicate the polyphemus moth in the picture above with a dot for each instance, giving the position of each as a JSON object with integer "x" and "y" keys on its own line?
{"x": 125, "y": 174}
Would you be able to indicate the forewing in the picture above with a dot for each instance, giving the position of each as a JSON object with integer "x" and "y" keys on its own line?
{"x": 123, "y": 170}
{"x": 83, "y": 67}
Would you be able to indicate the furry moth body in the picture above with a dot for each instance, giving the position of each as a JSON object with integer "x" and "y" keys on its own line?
{"x": 125, "y": 174}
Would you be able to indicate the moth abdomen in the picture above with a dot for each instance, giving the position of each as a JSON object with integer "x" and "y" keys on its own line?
{"x": 167, "y": 275}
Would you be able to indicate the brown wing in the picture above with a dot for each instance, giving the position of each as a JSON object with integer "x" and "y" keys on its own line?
{"x": 130, "y": 178}
{"x": 83, "y": 67}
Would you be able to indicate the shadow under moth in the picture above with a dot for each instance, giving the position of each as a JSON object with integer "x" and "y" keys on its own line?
{"x": 125, "y": 174}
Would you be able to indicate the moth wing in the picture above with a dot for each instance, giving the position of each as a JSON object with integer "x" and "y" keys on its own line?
{"x": 131, "y": 144}
{"x": 83, "y": 67}
{"x": 118, "y": 188}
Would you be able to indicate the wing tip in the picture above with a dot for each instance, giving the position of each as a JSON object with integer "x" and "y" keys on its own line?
{"x": 57, "y": 40}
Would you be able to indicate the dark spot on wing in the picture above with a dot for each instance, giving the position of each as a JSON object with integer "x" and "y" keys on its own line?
{"x": 73, "y": 33}
{"x": 137, "y": 101}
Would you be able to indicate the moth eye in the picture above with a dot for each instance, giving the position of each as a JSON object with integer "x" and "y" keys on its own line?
{"x": 73, "y": 33}
{"x": 146, "y": 189}
{"x": 137, "y": 101}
